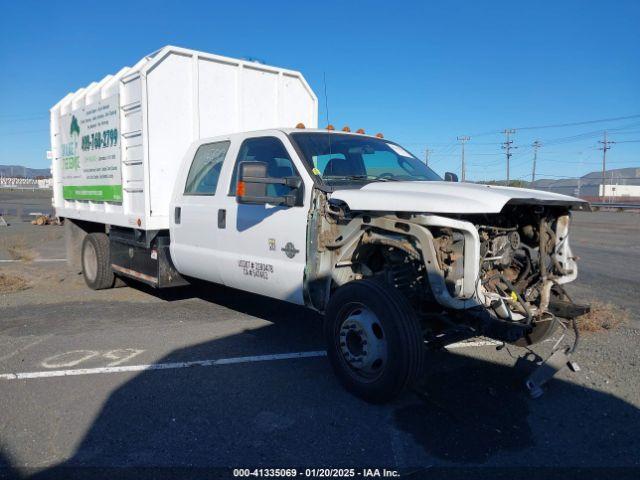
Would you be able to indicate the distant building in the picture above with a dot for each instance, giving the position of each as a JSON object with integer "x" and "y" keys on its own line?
{"x": 45, "y": 182}
{"x": 619, "y": 191}
{"x": 618, "y": 183}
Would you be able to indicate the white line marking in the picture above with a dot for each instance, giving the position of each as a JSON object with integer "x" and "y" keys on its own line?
{"x": 162, "y": 366}
{"x": 25, "y": 347}
{"x": 199, "y": 363}
{"x": 72, "y": 358}
{"x": 121, "y": 355}
{"x": 36, "y": 260}
{"x": 479, "y": 343}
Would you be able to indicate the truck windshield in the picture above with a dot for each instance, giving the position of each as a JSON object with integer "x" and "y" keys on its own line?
{"x": 341, "y": 159}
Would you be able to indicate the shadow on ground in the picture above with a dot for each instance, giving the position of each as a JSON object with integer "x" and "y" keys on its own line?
{"x": 466, "y": 412}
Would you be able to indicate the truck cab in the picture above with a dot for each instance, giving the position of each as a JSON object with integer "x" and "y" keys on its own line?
{"x": 357, "y": 228}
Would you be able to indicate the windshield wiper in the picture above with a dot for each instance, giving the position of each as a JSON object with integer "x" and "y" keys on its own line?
{"x": 361, "y": 177}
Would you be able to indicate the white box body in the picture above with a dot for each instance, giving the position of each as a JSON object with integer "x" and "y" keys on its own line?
{"x": 118, "y": 143}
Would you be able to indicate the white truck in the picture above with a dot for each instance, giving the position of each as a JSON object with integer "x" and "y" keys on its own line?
{"x": 194, "y": 166}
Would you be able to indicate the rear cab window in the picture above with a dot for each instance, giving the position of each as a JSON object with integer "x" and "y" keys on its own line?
{"x": 204, "y": 172}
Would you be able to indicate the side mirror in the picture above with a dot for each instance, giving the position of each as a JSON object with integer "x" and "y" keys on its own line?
{"x": 450, "y": 177}
{"x": 252, "y": 186}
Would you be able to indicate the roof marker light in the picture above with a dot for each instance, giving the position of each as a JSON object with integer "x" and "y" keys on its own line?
{"x": 360, "y": 131}
{"x": 379, "y": 135}
{"x": 330, "y": 127}
{"x": 300, "y": 125}
{"x": 346, "y": 128}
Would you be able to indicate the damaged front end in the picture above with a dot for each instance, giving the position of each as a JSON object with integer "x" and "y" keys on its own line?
{"x": 498, "y": 275}
{"x": 525, "y": 259}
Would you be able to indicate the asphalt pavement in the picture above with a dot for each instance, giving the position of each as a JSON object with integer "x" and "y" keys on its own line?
{"x": 185, "y": 380}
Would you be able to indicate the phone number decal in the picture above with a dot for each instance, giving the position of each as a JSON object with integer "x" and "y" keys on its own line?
{"x": 98, "y": 140}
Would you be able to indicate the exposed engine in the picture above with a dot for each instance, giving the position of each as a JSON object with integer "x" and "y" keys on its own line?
{"x": 499, "y": 274}
{"x": 522, "y": 257}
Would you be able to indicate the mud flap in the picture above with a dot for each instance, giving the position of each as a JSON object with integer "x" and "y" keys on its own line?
{"x": 545, "y": 371}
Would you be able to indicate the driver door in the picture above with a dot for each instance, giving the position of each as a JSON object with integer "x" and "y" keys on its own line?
{"x": 262, "y": 248}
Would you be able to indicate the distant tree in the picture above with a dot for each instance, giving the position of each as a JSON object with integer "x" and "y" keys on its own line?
{"x": 519, "y": 183}
{"x": 512, "y": 183}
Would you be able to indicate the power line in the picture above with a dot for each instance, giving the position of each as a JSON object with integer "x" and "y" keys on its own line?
{"x": 507, "y": 145}
{"x": 427, "y": 153}
{"x": 574, "y": 124}
{"x": 463, "y": 139}
{"x": 25, "y": 116}
{"x": 605, "y": 146}
{"x": 23, "y": 132}
{"x": 535, "y": 146}
{"x": 561, "y": 125}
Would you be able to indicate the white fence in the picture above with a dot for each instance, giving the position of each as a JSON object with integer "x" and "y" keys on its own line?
{"x": 17, "y": 183}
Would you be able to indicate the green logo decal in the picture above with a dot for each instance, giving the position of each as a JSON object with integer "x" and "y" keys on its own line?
{"x": 74, "y": 126}
{"x": 107, "y": 193}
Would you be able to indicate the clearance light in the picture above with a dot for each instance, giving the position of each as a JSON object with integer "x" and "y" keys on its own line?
{"x": 346, "y": 128}
{"x": 330, "y": 127}
{"x": 360, "y": 131}
{"x": 300, "y": 125}
{"x": 241, "y": 189}
{"x": 379, "y": 135}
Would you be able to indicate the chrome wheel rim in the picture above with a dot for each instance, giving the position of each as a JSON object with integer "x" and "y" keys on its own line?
{"x": 90, "y": 262}
{"x": 362, "y": 342}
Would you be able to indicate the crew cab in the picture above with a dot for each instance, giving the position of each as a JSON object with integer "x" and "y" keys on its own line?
{"x": 357, "y": 228}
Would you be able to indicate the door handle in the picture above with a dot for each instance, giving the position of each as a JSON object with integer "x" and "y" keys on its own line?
{"x": 177, "y": 215}
{"x": 222, "y": 218}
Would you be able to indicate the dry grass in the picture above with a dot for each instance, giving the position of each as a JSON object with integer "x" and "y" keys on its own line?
{"x": 602, "y": 317}
{"x": 17, "y": 248}
{"x": 54, "y": 234}
{"x": 12, "y": 283}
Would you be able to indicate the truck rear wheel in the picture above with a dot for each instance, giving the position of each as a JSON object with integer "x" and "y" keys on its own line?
{"x": 374, "y": 340}
{"x": 96, "y": 267}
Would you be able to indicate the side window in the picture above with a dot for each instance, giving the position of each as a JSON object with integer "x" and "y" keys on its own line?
{"x": 271, "y": 151}
{"x": 205, "y": 169}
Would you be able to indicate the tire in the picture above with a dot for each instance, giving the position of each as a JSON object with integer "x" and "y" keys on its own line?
{"x": 374, "y": 340}
{"x": 96, "y": 266}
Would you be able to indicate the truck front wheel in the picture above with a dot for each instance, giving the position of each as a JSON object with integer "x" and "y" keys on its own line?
{"x": 96, "y": 267}
{"x": 374, "y": 340}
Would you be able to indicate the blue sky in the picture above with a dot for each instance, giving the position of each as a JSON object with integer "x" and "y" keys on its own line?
{"x": 420, "y": 72}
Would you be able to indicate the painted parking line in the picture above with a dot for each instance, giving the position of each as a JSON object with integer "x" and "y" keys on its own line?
{"x": 24, "y": 347}
{"x": 477, "y": 343}
{"x": 37, "y": 260}
{"x": 162, "y": 366}
{"x": 197, "y": 363}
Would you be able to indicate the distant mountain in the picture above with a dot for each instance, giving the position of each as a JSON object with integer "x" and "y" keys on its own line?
{"x": 25, "y": 172}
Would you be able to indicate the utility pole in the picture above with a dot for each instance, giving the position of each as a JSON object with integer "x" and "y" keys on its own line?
{"x": 508, "y": 145}
{"x": 605, "y": 146}
{"x": 427, "y": 153}
{"x": 463, "y": 139}
{"x": 535, "y": 146}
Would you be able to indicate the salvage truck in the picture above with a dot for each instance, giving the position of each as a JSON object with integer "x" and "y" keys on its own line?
{"x": 192, "y": 166}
